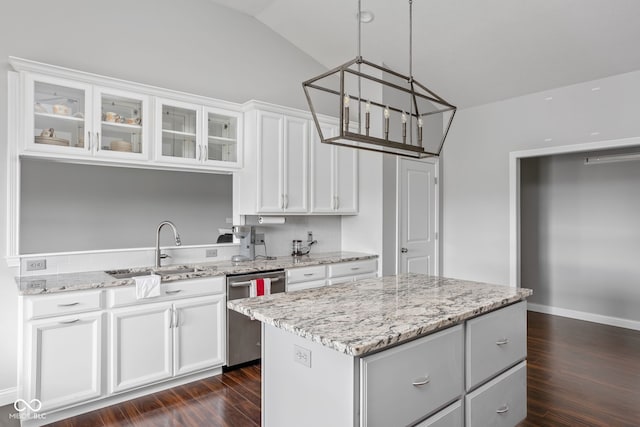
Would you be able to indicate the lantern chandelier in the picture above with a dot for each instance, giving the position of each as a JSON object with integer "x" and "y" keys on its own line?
{"x": 413, "y": 120}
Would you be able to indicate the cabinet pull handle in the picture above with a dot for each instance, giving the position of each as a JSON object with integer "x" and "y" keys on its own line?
{"x": 502, "y": 341}
{"x": 355, "y": 268}
{"x": 177, "y": 318}
{"x": 337, "y": 202}
{"x": 88, "y": 141}
{"x": 421, "y": 381}
{"x": 309, "y": 274}
{"x": 173, "y": 292}
{"x": 248, "y": 282}
{"x": 282, "y": 201}
{"x": 66, "y": 322}
{"x": 71, "y": 304}
{"x": 171, "y": 320}
{"x": 98, "y": 141}
{"x": 206, "y": 153}
{"x": 286, "y": 201}
{"x": 503, "y": 410}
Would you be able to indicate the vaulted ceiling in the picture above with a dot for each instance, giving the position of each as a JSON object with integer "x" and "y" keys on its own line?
{"x": 471, "y": 52}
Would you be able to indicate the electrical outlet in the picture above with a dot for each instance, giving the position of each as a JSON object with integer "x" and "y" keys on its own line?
{"x": 302, "y": 356}
{"x": 259, "y": 239}
{"x": 309, "y": 236}
{"x": 36, "y": 264}
{"x": 37, "y": 284}
{"x": 211, "y": 253}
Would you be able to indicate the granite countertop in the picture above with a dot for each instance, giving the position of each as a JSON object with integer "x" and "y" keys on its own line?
{"x": 372, "y": 314}
{"x": 44, "y": 284}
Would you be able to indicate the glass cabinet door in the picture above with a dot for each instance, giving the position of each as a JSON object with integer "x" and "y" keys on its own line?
{"x": 122, "y": 119}
{"x": 179, "y": 131}
{"x": 222, "y": 136}
{"x": 59, "y": 114}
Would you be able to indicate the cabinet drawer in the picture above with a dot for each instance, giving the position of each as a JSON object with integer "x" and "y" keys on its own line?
{"x": 126, "y": 295}
{"x": 451, "y": 416}
{"x": 305, "y": 274}
{"x": 502, "y": 402}
{"x": 353, "y": 268}
{"x": 495, "y": 341}
{"x": 39, "y": 306}
{"x": 305, "y": 285}
{"x": 406, "y": 383}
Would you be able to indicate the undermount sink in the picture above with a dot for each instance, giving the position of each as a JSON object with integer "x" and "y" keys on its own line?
{"x": 128, "y": 274}
{"x": 177, "y": 270}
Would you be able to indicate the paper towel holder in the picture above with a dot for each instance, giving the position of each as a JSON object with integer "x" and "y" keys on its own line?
{"x": 265, "y": 220}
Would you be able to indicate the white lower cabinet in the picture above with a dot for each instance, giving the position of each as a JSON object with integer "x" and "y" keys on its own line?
{"x": 66, "y": 359}
{"x": 198, "y": 341}
{"x": 502, "y": 402}
{"x": 141, "y": 346}
{"x": 154, "y": 342}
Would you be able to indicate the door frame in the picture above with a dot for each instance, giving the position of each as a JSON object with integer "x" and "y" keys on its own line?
{"x": 436, "y": 195}
{"x": 514, "y": 191}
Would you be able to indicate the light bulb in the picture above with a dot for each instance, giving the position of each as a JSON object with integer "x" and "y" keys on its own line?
{"x": 346, "y": 100}
{"x": 367, "y": 106}
{"x": 386, "y": 113}
{"x": 404, "y": 117}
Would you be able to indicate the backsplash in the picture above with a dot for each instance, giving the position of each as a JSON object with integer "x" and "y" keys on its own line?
{"x": 326, "y": 230}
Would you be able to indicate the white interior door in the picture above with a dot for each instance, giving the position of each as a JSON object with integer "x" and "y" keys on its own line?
{"x": 417, "y": 220}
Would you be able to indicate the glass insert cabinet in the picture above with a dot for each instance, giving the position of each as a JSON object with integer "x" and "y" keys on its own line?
{"x": 196, "y": 134}
{"x": 69, "y": 117}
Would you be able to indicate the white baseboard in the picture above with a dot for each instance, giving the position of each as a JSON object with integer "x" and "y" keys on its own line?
{"x": 8, "y": 396}
{"x": 582, "y": 315}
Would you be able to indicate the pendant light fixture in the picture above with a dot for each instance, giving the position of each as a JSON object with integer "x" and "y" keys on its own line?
{"x": 414, "y": 121}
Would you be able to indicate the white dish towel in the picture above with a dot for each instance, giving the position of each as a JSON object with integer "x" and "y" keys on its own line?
{"x": 260, "y": 287}
{"x": 147, "y": 286}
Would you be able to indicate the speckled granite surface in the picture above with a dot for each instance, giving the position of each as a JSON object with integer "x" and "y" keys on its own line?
{"x": 369, "y": 315}
{"x": 42, "y": 284}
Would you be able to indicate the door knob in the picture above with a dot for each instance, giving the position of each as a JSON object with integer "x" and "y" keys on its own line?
{"x": 404, "y": 250}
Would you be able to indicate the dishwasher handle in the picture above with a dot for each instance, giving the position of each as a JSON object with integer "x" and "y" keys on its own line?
{"x": 248, "y": 283}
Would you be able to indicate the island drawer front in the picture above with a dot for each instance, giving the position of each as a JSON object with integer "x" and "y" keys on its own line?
{"x": 305, "y": 285}
{"x": 502, "y": 402}
{"x": 126, "y": 295}
{"x": 406, "y": 383}
{"x": 495, "y": 342}
{"x": 306, "y": 274}
{"x": 39, "y": 306}
{"x": 451, "y": 416}
{"x": 352, "y": 268}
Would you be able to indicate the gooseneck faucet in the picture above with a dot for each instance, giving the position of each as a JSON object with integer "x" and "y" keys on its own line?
{"x": 176, "y": 236}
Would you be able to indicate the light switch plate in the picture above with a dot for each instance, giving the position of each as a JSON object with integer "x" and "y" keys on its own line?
{"x": 211, "y": 253}
{"x": 302, "y": 356}
{"x": 36, "y": 264}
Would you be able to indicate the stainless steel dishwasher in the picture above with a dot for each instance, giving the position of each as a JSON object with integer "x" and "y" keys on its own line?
{"x": 243, "y": 334}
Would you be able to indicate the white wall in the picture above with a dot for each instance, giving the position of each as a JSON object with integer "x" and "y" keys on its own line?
{"x": 581, "y": 234}
{"x": 70, "y": 207}
{"x": 189, "y": 45}
{"x": 325, "y": 229}
{"x": 476, "y": 155}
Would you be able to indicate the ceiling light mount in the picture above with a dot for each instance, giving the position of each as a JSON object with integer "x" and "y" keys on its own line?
{"x": 398, "y": 115}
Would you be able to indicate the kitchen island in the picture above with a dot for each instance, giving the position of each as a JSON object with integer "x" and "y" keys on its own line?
{"x": 398, "y": 350}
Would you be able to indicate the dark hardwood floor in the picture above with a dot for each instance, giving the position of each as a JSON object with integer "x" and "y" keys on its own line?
{"x": 579, "y": 374}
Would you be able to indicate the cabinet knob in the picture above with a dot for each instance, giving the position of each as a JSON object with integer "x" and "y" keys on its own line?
{"x": 404, "y": 250}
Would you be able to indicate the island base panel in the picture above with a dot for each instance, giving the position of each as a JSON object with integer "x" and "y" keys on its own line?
{"x": 294, "y": 394}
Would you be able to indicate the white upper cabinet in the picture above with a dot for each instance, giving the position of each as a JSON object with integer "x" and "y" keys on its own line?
{"x": 193, "y": 134}
{"x": 334, "y": 174}
{"x": 287, "y": 168}
{"x": 179, "y": 136}
{"x": 81, "y": 117}
{"x": 282, "y": 163}
{"x": 73, "y": 118}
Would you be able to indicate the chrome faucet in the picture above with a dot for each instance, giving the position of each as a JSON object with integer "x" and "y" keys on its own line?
{"x": 160, "y": 256}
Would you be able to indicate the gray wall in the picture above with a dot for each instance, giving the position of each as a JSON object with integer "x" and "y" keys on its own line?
{"x": 69, "y": 207}
{"x": 189, "y": 45}
{"x": 581, "y": 234}
{"x": 475, "y": 162}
